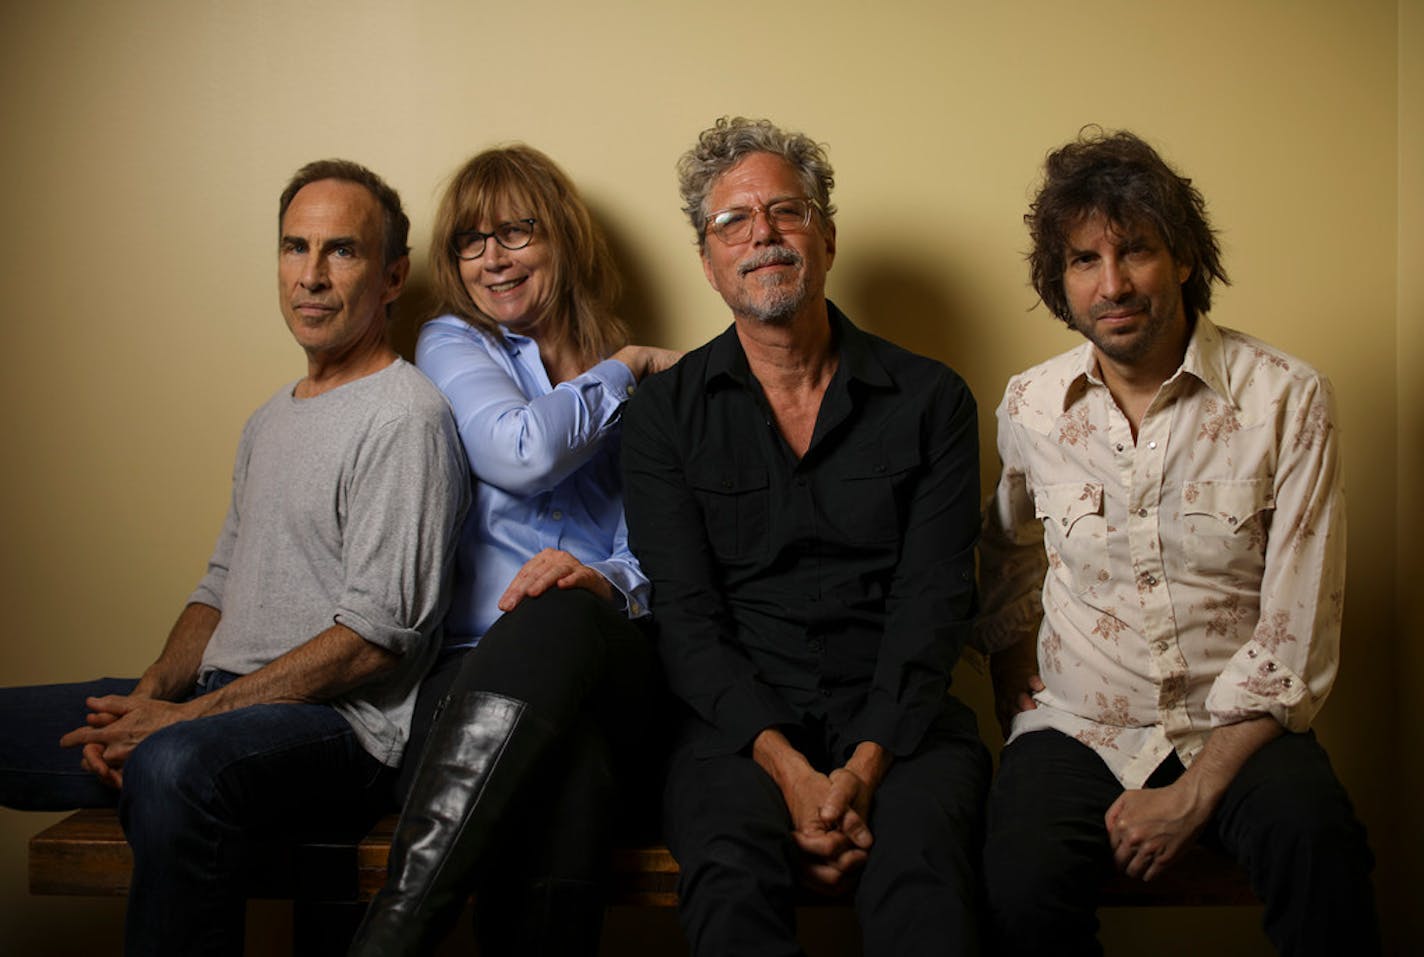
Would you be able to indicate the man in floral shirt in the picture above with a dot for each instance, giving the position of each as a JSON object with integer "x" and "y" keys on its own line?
{"x": 1164, "y": 564}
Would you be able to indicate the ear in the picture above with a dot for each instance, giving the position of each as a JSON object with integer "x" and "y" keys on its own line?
{"x": 396, "y": 275}
{"x": 829, "y": 232}
{"x": 1184, "y": 272}
{"x": 707, "y": 270}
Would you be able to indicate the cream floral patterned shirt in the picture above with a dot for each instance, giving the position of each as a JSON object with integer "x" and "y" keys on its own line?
{"x": 1191, "y": 579}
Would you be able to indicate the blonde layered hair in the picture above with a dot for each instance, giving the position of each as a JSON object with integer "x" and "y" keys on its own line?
{"x": 586, "y": 281}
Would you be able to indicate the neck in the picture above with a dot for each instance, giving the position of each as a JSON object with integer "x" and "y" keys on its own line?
{"x": 558, "y": 352}
{"x": 793, "y": 356}
{"x": 325, "y": 372}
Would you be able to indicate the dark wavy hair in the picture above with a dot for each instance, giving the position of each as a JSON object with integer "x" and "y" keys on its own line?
{"x": 396, "y": 226}
{"x": 586, "y": 279}
{"x": 1120, "y": 177}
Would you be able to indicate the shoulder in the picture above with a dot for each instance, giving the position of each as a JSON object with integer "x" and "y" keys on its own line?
{"x": 1034, "y": 398}
{"x": 449, "y": 332}
{"x": 686, "y": 377}
{"x": 1253, "y": 364}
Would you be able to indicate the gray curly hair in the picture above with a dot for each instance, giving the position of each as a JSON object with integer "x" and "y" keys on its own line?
{"x": 731, "y": 139}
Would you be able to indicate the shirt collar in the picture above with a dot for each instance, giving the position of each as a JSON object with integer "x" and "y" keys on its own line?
{"x": 1205, "y": 359}
{"x": 726, "y": 360}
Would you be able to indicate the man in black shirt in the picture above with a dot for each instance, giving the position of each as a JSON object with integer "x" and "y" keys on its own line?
{"x": 804, "y": 497}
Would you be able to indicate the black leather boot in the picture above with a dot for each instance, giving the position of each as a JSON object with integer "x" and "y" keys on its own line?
{"x": 478, "y": 755}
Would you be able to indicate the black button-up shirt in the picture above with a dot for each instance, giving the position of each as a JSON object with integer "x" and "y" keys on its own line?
{"x": 837, "y": 587}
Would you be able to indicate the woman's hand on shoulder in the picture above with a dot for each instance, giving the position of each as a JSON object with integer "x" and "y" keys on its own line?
{"x": 553, "y": 568}
{"x": 645, "y": 360}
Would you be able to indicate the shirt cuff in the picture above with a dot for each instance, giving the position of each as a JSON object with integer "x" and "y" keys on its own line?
{"x": 1254, "y": 683}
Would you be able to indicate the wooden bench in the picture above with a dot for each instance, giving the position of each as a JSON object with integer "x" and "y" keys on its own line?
{"x": 85, "y": 854}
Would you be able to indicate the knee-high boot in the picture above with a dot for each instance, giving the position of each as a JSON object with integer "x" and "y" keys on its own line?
{"x": 478, "y": 755}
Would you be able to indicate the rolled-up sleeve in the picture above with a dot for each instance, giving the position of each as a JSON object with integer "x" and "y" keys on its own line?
{"x": 1288, "y": 666}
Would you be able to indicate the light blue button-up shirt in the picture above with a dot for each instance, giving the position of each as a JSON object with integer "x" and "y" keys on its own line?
{"x": 545, "y": 460}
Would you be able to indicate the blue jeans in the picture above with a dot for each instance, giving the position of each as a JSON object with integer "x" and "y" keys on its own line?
{"x": 197, "y": 797}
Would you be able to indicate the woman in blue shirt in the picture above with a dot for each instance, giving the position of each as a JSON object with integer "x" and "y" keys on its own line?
{"x": 545, "y": 670}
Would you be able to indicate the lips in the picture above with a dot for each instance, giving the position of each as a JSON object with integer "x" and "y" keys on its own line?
{"x": 506, "y": 286}
{"x": 313, "y": 309}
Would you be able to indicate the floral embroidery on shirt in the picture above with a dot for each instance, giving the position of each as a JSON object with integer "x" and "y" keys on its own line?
{"x": 1013, "y": 397}
{"x": 1313, "y": 427}
{"x": 1272, "y": 634}
{"x": 1116, "y": 712}
{"x": 1225, "y": 614}
{"x": 1108, "y": 626}
{"x": 1075, "y": 427}
{"x": 1099, "y": 737}
{"x": 1173, "y": 691}
{"x": 1267, "y": 685}
{"x": 1218, "y": 424}
{"x": 1050, "y": 643}
{"x": 1190, "y": 493}
{"x": 1337, "y": 605}
{"x": 1270, "y": 358}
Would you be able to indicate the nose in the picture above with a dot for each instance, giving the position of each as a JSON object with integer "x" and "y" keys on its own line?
{"x": 1114, "y": 281}
{"x": 495, "y": 257}
{"x": 314, "y": 275}
{"x": 763, "y": 230}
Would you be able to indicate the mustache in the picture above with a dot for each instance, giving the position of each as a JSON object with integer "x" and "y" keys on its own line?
{"x": 1134, "y": 304}
{"x": 773, "y": 256}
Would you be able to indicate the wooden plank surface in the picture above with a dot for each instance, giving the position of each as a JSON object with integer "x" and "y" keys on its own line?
{"x": 86, "y": 855}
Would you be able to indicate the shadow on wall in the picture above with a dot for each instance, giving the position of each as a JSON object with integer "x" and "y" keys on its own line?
{"x": 910, "y": 303}
{"x": 412, "y": 309}
{"x": 647, "y": 318}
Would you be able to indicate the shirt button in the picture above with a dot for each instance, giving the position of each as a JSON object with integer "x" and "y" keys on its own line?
{"x": 1065, "y": 523}
{"x": 557, "y": 515}
{"x": 1231, "y": 520}
{"x": 1119, "y": 446}
{"x": 1149, "y": 580}
{"x": 1151, "y": 445}
{"x": 1142, "y": 513}
{"x": 634, "y": 608}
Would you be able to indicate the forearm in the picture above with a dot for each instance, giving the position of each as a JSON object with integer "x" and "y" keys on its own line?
{"x": 325, "y": 667}
{"x": 781, "y": 761}
{"x": 174, "y": 673}
{"x": 1227, "y": 748}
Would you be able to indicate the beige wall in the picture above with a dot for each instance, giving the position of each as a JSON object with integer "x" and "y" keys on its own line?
{"x": 145, "y": 142}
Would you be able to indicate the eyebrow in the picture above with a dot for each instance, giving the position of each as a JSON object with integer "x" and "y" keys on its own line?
{"x": 331, "y": 243}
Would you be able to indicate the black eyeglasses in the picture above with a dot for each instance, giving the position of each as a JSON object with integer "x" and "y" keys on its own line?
{"x": 470, "y": 244}
{"x": 734, "y": 225}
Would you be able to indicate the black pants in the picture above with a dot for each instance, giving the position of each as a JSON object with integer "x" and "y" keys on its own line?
{"x": 730, "y": 830}
{"x": 1285, "y": 817}
{"x": 584, "y": 668}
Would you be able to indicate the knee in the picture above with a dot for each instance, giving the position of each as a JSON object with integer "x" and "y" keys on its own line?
{"x": 1313, "y": 827}
{"x": 553, "y": 626}
{"x": 166, "y": 779}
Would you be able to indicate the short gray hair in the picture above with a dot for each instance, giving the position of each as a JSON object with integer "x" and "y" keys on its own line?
{"x": 732, "y": 139}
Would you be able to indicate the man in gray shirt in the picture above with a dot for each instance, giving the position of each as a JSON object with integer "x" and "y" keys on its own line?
{"x": 281, "y": 701}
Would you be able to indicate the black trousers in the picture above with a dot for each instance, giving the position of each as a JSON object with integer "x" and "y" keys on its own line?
{"x": 584, "y": 668}
{"x": 730, "y": 831}
{"x": 1285, "y": 817}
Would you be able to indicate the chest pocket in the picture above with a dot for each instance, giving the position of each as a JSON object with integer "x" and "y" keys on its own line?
{"x": 735, "y": 507}
{"x": 1225, "y": 524}
{"x": 877, "y": 481}
{"x": 1075, "y": 532}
